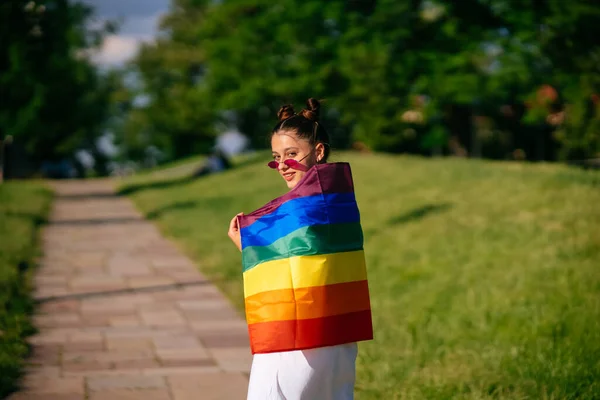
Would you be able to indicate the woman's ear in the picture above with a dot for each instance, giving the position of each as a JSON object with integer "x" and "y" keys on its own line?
{"x": 320, "y": 152}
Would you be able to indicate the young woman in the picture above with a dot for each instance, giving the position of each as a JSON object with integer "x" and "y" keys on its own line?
{"x": 324, "y": 373}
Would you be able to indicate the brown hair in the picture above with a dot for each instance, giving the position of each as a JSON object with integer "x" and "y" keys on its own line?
{"x": 304, "y": 124}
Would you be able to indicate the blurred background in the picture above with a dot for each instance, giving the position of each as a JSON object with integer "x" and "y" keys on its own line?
{"x": 102, "y": 87}
{"x": 466, "y": 123}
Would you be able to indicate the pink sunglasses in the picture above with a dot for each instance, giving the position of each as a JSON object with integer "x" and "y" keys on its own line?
{"x": 290, "y": 162}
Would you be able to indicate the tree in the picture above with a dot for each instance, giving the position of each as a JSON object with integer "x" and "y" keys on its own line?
{"x": 177, "y": 114}
{"x": 54, "y": 101}
{"x": 419, "y": 76}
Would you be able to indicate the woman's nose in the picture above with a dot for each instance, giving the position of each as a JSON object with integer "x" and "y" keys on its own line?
{"x": 282, "y": 166}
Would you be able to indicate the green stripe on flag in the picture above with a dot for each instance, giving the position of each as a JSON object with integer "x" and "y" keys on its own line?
{"x": 307, "y": 241}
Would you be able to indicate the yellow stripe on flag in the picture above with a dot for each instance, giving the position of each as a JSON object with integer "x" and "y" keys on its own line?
{"x": 305, "y": 271}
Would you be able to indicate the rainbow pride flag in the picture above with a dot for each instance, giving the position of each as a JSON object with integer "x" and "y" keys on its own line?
{"x": 305, "y": 279}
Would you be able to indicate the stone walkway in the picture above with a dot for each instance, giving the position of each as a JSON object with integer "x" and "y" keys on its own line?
{"x": 123, "y": 314}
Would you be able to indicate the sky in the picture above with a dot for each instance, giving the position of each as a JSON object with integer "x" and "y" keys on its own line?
{"x": 139, "y": 20}
{"x": 139, "y": 24}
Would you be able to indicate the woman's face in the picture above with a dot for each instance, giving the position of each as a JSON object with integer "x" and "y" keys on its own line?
{"x": 285, "y": 146}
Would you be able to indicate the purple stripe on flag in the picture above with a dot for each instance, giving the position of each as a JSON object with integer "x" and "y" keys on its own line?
{"x": 321, "y": 178}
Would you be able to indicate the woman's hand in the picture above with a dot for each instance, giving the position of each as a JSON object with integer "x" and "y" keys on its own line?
{"x": 234, "y": 232}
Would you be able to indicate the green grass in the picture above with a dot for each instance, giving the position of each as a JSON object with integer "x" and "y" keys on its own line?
{"x": 484, "y": 276}
{"x": 23, "y": 208}
{"x": 191, "y": 162}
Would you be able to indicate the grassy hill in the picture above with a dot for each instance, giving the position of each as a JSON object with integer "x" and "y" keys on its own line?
{"x": 484, "y": 277}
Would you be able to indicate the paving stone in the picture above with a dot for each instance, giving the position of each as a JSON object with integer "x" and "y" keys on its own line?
{"x": 130, "y": 299}
{"x": 159, "y": 305}
{"x": 171, "y": 371}
{"x": 203, "y": 304}
{"x": 141, "y": 332}
{"x": 172, "y": 262}
{"x": 171, "y": 296}
{"x": 42, "y": 294}
{"x": 197, "y": 354}
{"x": 136, "y": 364}
{"x": 55, "y": 385}
{"x": 233, "y": 359}
{"x": 125, "y": 382}
{"x": 99, "y": 289}
{"x": 225, "y": 339}
{"x": 89, "y": 259}
{"x": 84, "y": 336}
{"x": 34, "y": 395}
{"x": 199, "y": 290}
{"x": 49, "y": 337}
{"x": 84, "y": 346}
{"x": 107, "y": 316}
{"x": 96, "y": 320}
{"x": 50, "y": 280}
{"x": 86, "y": 366}
{"x": 108, "y": 307}
{"x": 213, "y": 386}
{"x": 106, "y": 356}
{"x": 125, "y": 262}
{"x": 102, "y": 373}
{"x": 43, "y": 371}
{"x": 206, "y": 362}
{"x": 126, "y": 394}
{"x": 48, "y": 355}
{"x": 162, "y": 318}
{"x": 125, "y": 321}
{"x": 130, "y": 271}
{"x": 129, "y": 344}
{"x": 79, "y": 270}
{"x": 59, "y": 320}
{"x": 169, "y": 269}
{"x": 183, "y": 277}
{"x": 177, "y": 342}
{"x": 91, "y": 281}
{"x": 149, "y": 281}
{"x": 211, "y": 315}
{"x": 217, "y": 326}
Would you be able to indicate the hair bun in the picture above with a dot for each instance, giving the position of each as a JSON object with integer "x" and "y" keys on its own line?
{"x": 285, "y": 112}
{"x": 312, "y": 110}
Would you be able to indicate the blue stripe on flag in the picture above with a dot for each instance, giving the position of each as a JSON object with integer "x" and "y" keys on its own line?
{"x": 334, "y": 208}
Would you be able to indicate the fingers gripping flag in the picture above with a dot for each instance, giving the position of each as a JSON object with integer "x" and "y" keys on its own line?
{"x": 305, "y": 279}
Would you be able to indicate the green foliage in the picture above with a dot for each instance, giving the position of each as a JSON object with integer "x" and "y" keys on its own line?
{"x": 236, "y": 62}
{"x": 580, "y": 133}
{"x": 483, "y": 275}
{"x": 53, "y": 99}
{"x": 23, "y": 207}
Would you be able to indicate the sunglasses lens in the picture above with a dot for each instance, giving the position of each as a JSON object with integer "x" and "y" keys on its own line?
{"x": 291, "y": 163}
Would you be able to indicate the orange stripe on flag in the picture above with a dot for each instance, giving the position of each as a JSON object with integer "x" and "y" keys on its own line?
{"x": 308, "y": 302}
{"x": 268, "y": 337}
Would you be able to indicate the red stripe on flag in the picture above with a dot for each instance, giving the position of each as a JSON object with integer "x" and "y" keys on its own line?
{"x": 268, "y": 337}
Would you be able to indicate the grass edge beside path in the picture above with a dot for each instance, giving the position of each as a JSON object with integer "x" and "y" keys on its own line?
{"x": 24, "y": 208}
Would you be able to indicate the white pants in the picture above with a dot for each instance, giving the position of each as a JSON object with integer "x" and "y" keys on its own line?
{"x": 326, "y": 373}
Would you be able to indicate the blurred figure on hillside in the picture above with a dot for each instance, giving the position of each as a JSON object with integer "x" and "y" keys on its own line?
{"x": 216, "y": 162}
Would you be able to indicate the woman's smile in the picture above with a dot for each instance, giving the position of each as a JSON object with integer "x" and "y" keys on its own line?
{"x": 288, "y": 176}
